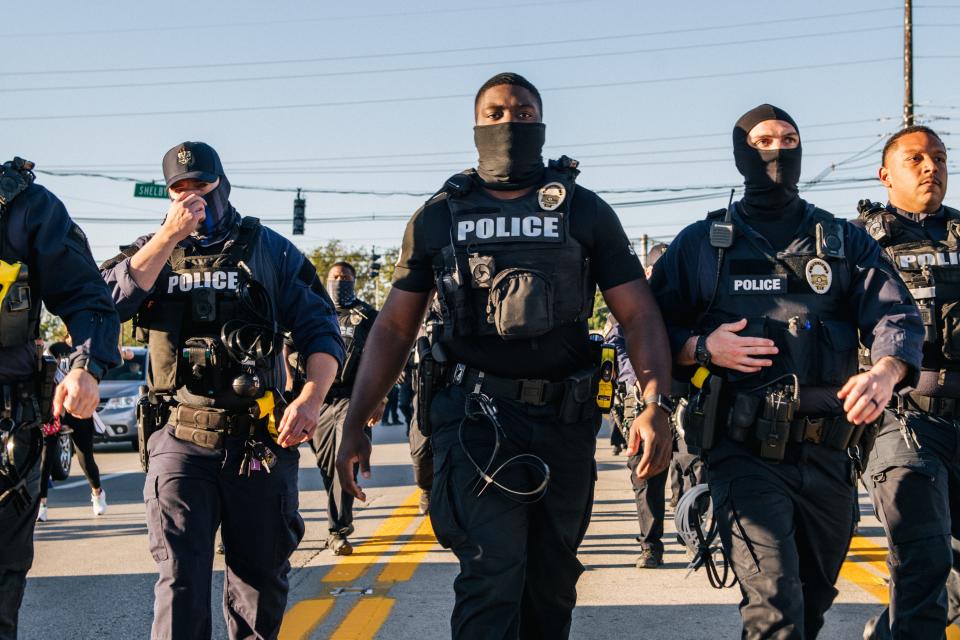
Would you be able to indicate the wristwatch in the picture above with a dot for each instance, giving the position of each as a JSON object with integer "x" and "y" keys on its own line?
{"x": 700, "y": 354}
{"x": 91, "y": 366}
{"x": 658, "y": 399}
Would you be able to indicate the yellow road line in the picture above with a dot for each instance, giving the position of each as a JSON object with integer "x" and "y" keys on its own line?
{"x": 351, "y": 567}
{"x": 302, "y": 617}
{"x": 365, "y": 619}
{"x": 402, "y": 566}
{"x": 869, "y": 552}
{"x": 866, "y": 580}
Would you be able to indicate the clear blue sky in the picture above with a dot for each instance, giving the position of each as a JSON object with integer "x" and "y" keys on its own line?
{"x": 673, "y": 78}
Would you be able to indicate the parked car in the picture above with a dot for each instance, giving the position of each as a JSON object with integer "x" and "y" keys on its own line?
{"x": 119, "y": 391}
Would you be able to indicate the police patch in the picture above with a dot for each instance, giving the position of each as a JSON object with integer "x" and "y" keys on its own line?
{"x": 184, "y": 157}
{"x": 489, "y": 228}
{"x": 551, "y": 195}
{"x": 758, "y": 285}
{"x": 219, "y": 280}
{"x": 819, "y": 275}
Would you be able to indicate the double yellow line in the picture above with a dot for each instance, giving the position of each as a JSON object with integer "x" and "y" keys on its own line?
{"x": 866, "y": 567}
{"x": 368, "y": 614}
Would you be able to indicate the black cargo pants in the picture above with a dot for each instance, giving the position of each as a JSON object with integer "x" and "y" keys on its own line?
{"x": 913, "y": 476}
{"x": 16, "y": 548}
{"x": 518, "y": 561}
{"x": 650, "y": 496}
{"x": 326, "y": 441}
{"x": 786, "y": 528}
{"x": 421, "y": 453}
{"x": 189, "y": 492}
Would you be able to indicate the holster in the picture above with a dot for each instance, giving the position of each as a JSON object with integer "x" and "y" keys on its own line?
{"x": 699, "y": 415}
{"x": 46, "y": 385}
{"x": 579, "y": 396}
{"x": 429, "y": 376}
{"x": 152, "y": 414}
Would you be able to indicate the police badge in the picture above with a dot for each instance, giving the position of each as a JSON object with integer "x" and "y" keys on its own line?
{"x": 185, "y": 157}
{"x": 551, "y": 195}
{"x": 819, "y": 275}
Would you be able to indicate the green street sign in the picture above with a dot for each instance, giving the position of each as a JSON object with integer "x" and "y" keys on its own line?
{"x": 149, "y": 190}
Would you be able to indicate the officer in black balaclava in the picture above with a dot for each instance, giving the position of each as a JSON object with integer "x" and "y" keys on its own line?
{"x": 356, "y": 318}
{"x": 515, "y": 249}
{"x": 212, "y": 293}
{"x": 769, "y": 297}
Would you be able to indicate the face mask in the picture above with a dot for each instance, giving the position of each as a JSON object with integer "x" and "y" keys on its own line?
{"x": 220, "y": 216}
{"x": 770, "y": 177}
{"x": 342, "y": 292}
{"x": 510, "y": 154}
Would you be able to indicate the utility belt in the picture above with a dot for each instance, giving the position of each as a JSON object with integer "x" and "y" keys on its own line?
{"x": 337, "y": 393}
{"x": 574, "y": 396}
{"x": 948, "y": 408}
{"x": 209, "y": 427}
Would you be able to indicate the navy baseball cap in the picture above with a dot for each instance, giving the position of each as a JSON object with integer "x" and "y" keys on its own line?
{"x": 191, "y": 160}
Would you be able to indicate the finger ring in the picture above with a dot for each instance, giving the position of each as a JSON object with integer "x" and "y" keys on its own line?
{"x": 874, "y": 402}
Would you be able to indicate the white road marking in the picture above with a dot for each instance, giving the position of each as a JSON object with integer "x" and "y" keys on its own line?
{"x": 80, "y": 483}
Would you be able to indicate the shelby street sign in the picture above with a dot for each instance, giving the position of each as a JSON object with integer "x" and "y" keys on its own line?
{"x": 149, "y": 190}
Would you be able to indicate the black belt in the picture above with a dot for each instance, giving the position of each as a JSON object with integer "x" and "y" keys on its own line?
{"x": 834, "y": 431}
{"x": 231, "y": 424}
{"x": 938, "y": 407}
{"x": 535, "y": 392}
{"x": 337, "y": 393}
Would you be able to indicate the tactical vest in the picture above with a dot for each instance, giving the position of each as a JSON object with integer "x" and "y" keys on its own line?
{"x": 797, "y": 299}
{"x": 19, "y": 317}
{"x": 355, "y": 325}
{"x": 197, "y": 306}
{"x": 931, "y": 271}
{"x": 512, "y": 268}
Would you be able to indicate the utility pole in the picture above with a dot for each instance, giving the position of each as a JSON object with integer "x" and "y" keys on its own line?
{"x": 644, "y": 248}
{"x": 907, "y": 63}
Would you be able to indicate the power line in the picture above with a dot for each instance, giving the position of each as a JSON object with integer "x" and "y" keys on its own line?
{"x": 341, "y": 103}
{"x": 433, "y": 67}
{"x": 397, "y": 54}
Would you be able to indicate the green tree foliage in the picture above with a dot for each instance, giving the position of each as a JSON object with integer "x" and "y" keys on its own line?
{"x": 370, "y": 289}
{"x": 600, "y": 311}
{"x": 52, "y": 328}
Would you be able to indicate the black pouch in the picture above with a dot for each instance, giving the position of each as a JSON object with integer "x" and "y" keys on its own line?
{"x": 950, "y": 326}
{"x": 701, "y": 416}
{"x": 428, "y": 377}
{"x": 46, "y": 387}
{"x": 151, "y": 416}
{"x": 579, "y": 397}
{"x": 743, "y": 415}
{"x": 520, "y": 304}
{"x": 773, "y": 427}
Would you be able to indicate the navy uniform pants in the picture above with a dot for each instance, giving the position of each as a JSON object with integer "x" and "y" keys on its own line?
{"x": 189, "y": 492}
{"x": 651, "y": 504}
{"x": 518, "y": 561}
{"x": 913, "y": 476}
{"x": 786, "y": 528}
{"x": 16, "y": 549}
{"x": 421, "y": 452}
{"x": 326, "y": 441}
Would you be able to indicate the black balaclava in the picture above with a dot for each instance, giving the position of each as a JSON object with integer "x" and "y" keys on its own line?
{"x": 220, "y": 216}
{"x": 510, "y": 154}
{"x": 769, "y": 177}
{"x": 343, "y": 292}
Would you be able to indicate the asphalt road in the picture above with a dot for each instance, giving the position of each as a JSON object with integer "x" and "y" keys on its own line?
{"x": 93, "y": 576}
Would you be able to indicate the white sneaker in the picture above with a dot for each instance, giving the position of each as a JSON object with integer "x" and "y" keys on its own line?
{"x": 42, "y": 514}
{"x": 99, "y": 502}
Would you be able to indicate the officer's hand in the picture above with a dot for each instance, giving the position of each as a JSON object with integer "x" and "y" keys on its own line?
{"x": 652, "y": 429}
{"x": 730, "y": 351}
{"x": 377, "y": 414}
{"x": 866, "y": 394}
{"x": 354, "y": 450}
{"x": 183, "y": 216}
{"x": 299, "y": 421}
{"x": 78, "y": 393}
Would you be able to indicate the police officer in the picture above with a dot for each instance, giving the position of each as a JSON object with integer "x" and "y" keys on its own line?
{"x": 914, "y": 468}
{"x": 768, "y": 296}
{"x": 515, "y": 250}
{"x": 212, "y": 292}
{"x": 44, "y": 256}
{"x": 355, "y": 317}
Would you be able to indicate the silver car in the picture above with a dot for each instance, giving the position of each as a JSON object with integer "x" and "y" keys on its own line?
{"x": 119, "y": 391}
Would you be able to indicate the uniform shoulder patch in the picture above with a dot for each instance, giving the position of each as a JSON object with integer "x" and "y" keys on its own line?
{"x": 819, "y": 275}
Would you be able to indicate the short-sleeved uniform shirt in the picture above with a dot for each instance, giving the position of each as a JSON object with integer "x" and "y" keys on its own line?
{"x": 556, "y": 354}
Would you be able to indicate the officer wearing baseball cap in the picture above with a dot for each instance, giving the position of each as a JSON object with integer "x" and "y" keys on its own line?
{"x": 211, "y": 293}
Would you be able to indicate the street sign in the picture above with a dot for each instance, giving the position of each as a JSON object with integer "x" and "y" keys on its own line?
{"x": 149, "y": 190}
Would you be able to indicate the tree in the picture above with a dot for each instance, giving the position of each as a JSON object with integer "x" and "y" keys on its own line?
{"x": 52, "y": 328}
{"x": 370, "y": 288}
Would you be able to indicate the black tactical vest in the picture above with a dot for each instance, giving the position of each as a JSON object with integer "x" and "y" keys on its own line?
{"x": 931, "y": 271}
{"x": 355, "y": 324}
{"x": 19, "y": 315}
{"x": 512, "y": 268}
{"x": 196, "y": 305}
{"x": 796, "y": 298}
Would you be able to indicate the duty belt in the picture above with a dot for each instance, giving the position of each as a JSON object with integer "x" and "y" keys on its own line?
{"x": 231, "y": 424}
{"x": 937, "y": 407}
{"x": 527, "y": 391}
{"x": 834, "y": 432}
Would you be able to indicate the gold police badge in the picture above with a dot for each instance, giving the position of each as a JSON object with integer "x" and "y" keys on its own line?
{"x": 819, "y": 275}
{"x": 551, "y": 196}
{"x": 185, "y": 157}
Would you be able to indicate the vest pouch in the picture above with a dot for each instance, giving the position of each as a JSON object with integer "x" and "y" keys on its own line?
{"x": 950, "y": 327}
{"x": 164, "y": 323}
{"x": 838, "y": 353}
{"x": 798, "y": 341}
{"x": 520, "y": 304}
{"x": 15, "y": 325}
{"x": 946, "y": 313}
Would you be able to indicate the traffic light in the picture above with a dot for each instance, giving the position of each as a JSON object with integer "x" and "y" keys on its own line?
{"x": 374, "y": 264}
{"x": 299, "y": 214}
